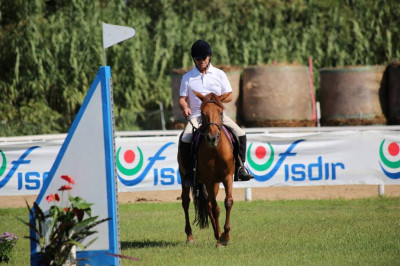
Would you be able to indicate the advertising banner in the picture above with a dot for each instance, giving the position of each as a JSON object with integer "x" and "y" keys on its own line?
{"x": 275, "y": 159}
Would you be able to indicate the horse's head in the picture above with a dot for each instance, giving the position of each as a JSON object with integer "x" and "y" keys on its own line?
{"x": 211, "y": 116}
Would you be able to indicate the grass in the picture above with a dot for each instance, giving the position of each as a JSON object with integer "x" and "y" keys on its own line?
{"x": 300, "y": 232}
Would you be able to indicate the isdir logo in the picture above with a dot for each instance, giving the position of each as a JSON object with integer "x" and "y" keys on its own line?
{"x": 130, "y": 161}
{"x": 3, "y": 163}
{"x": 389, "y": 154}
{"x": 261, "y": 159}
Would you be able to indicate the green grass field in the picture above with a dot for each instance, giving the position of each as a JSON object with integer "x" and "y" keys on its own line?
{"x": 298, "y": 232}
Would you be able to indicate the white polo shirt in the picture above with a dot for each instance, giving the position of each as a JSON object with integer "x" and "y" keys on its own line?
{"x": 214, "y": 80}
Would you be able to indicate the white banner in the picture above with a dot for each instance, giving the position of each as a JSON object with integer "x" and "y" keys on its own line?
{"x": 275, "y": 159}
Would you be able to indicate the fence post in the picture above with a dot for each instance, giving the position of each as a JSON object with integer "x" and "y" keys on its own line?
{"x": 247, "y": 194}
{"x": 381, "y": 190}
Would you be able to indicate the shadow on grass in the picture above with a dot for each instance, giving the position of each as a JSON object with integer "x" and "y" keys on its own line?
{"x": 146, "y": 244}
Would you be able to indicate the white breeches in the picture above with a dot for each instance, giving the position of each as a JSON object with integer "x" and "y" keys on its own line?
{"x": 187, "y": 133}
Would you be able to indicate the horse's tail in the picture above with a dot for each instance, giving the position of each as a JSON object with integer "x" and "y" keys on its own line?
{"x": 200, "y": 201}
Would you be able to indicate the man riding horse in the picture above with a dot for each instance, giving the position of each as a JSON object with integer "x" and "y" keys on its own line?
{"x": 205, "y": 78}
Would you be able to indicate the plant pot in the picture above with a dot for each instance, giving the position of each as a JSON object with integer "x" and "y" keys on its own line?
{"x": 71, "y": 260}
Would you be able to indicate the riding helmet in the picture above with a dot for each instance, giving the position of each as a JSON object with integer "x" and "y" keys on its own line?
{"x": 201, "y": 49}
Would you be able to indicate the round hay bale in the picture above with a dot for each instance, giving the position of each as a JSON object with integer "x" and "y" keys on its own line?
{"x": 172, "y": 125}
{"x": 176, "y": 77}
{"x": 350, "y": 96}
{"x": 233, "y": 73}
{"x": 393, "y": 71}
{"x": 276, "y": 96}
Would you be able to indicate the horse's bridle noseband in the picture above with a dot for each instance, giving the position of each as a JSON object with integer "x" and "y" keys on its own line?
{"x": 204, "y": 128}
{"x": 212, "y": 123}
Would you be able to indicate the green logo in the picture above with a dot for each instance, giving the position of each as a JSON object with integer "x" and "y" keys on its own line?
{"x": 130, "y": 158}
{"x": 261, "y": 157}
{"x": 3, "y": 164}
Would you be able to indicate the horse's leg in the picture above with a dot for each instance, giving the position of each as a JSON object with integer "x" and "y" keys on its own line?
{"x": 213, "y": 209}
{"x": 185, "y": 205}
{"x": 224, "y": 239}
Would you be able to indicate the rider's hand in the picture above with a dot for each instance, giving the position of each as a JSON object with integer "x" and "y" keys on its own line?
{"x": 187, "y": 112}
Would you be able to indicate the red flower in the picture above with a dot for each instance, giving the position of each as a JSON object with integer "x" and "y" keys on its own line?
{"x": 66, "y": 209}
{"x": 68, "y": 179}
{"x": 65, "y": 187}
{"x": 50, "y": 198}
{"x": 56, "y": 197}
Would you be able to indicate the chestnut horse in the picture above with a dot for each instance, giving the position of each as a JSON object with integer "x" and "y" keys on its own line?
{"x": 215, "y": 164}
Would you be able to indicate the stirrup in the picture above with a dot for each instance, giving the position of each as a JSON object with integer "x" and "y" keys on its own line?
{"x": 243, "y": 174}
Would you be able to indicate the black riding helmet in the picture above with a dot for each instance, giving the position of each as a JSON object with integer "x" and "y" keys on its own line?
{"x": 201, "y": 49}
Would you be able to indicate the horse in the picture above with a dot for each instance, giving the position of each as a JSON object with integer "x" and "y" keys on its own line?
{"x": 215, "y": 165}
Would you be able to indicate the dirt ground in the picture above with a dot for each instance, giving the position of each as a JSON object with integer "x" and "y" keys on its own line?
{"x": 267, "y": 193}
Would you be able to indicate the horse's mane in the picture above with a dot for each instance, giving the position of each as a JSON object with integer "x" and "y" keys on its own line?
{"x": 212, "y": 97}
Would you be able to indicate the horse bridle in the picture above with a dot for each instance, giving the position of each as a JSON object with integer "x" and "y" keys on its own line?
{"x": 206, "y": 127}
{"x": 203, "y": 128}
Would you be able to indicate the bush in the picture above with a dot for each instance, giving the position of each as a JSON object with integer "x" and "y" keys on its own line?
{"x": 51, "y": 50}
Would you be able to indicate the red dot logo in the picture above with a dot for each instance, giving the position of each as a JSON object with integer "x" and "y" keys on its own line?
{"x": 393, "y": 149}
{"x": 129, "y": 156}
{"x": 260, "y": 152}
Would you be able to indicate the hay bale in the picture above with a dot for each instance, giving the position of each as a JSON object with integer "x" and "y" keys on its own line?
{"x": 393, "y": 72}
{"x": 276, "y": 95}
{"x": 350, "y": 96}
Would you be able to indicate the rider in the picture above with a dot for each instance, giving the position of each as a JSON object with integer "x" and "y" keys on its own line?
{"x": 205, "y": 78}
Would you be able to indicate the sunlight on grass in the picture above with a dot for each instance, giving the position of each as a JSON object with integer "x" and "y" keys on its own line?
{"x": 301, "y": 232}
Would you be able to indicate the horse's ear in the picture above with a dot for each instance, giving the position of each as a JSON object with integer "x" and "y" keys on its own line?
{"x": 224, "y": 96}
{"x": 199, "y": 95}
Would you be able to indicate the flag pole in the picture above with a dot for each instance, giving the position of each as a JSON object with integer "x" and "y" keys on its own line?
{"x": 104, "y": 56}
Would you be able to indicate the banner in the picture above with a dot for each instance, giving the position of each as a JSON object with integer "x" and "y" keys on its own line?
{"x": 275, "y": 159}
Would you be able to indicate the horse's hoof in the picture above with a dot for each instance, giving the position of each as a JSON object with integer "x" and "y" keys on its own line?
{"x": 190, "y": 240}
{"x": 221, "y": 245}
{"x": 224, "y": 239}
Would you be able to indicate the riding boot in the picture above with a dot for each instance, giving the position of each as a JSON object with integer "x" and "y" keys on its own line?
{"x": 187, "y": 160}
{"x": 242, "y": 173}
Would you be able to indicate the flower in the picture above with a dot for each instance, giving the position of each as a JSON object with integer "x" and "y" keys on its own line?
{"x": 65, "y": 187}
{"x": 50, "y": 198}
{"x": 68, "y": 179}
{"x": 7, "y": 243}
{"x": 7, "y": 237}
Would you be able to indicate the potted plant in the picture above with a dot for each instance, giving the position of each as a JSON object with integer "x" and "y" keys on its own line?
{"x": 60, "y": 230}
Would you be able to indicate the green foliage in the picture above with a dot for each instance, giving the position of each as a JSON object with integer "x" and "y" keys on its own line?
{"x": 50, "y": 50}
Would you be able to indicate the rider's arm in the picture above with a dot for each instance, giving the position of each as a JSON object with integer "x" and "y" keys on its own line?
{"x": 228, "y": 98}
{"x": 184, "y": 106}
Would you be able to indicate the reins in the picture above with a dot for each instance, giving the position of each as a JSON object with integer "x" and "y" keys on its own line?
{"x": 193, "y": 126}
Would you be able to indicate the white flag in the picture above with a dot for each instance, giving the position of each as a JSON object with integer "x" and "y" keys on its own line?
{"x": 113, "y": 34}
